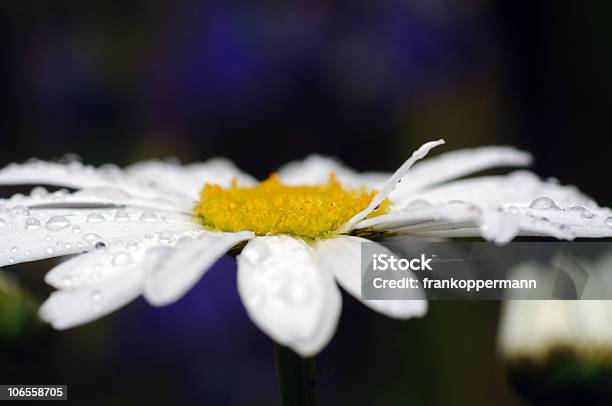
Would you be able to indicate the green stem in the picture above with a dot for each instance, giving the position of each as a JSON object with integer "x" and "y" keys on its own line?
{"x": 297, "y": 378}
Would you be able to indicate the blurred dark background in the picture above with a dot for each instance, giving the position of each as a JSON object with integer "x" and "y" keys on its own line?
{"x": 263, "y": 83}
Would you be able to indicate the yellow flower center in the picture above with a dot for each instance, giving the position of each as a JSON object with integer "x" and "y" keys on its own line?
{"x": 271, "y": 207}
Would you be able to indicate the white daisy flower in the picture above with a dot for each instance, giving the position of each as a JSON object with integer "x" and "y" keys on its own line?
{"x": 535, "y": 329}
{"x": 153, "y": 229}
{"x": 559, "y": 351}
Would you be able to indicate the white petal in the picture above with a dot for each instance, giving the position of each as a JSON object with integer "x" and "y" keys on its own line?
{"x": 538, "y": 202}
{"x": 533, "y": 327}
{"x": 97, "y": 197}
{"x": 71, "y": 307}
{"x": 39, "y": 234}
{"x": 178, "y": 270}
{"x": 519, "y": 188}
{"x": 455, "y": 164}
{"x": 286, "y": 293}
{"x": 315, "y": 170}
{"x": 187, "y": 179}
{"x": 461, "y": 219}
{"x": 102, "y": 264}
{"x": 73, "y": 175}
{"x": 422, "y": 215}
{"x": 341, "y": 256}
{"x": 499, "y": 226}
{"x": 390, "y": 185}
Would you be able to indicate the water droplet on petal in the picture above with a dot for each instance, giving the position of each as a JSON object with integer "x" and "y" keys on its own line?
{"x": 166, "y": 237}
{"x": 49, "y": 250}
{"x": 32, "y": 223}
{"x": 131, "y": 245}
{"x": 91, "y": 238}
{"x": 60, "y": 193}
{"x": 587, "y": 214}
{"x": 512, "y": 209}
{"x": 11, "y": 260}
{"x": 96, "y": 296}
{"x": 110, "y": 170}
{"x": 57, "y": 223}
{"x": 418, "y": 204}
{"x": 2, "y": 222}
{"x": 121, "y": 259}
{"x": 76, "y": 229}
{"x": 70, "y": 159}
{"x": 14, "y": 250}
{"x": 95, "y": 217}
{"x": 255, "y": 299}
{"x": 148, "y": 217}
{"x": 122, "y": 215}
{"x": 47, "y": 238}
{"x": 543, "y": 203}
{"x": 20, "y": 211}
{"x": 296, "y": 294}
{"x": 38, "y": 192}
{"x": 609, "y": 221}
{"x": 67, "y": 246}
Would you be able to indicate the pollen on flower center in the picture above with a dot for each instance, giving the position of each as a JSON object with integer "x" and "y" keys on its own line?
{"x": 271, "y": 207}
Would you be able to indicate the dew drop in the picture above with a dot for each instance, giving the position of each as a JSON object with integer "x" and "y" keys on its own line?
{"x": 11, "y": 260}
{"x": 91, "y": 238}
{"x": 609, "y": 221}
{"x": 20, "y": 211}
{"x": 296, "y": 294}
{"x": 49, "y": 250}
{"x": 512, "y": 209}
{"x": 543, "y": 203}
{"x": 47, "y": 238}
{"x": 148, "y": 217}
{"x": 587, "y": 214}
{"x": 121, "y": 259}
{"x": 39, "y": 192}
{"x": 70, "y": 159}
{"x": 166, "y": 237}
{"x": 95, "y": 217}
{"x": 2, "y": 222}
{"x": 122, "y": 215}
{"x": 76, "y": 229}
{"x": 57, "y": 223}
{"x": 418, "y": 204}
{"x": 14, "y": 250}
{"x": 131, "y": 245}
{"x": 60, "y": 193}
{"x": 67, "y": 246}
{"x": 32, "y": 223}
